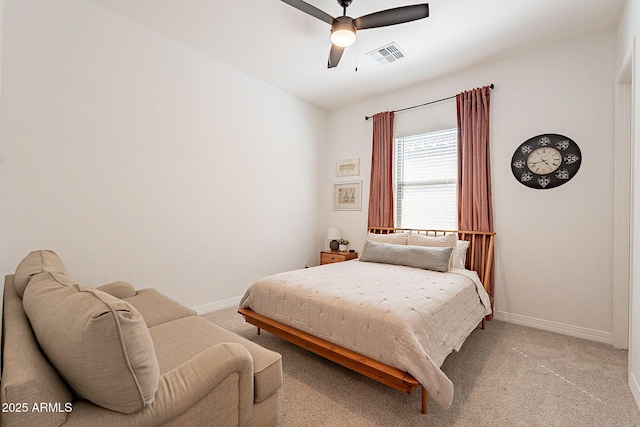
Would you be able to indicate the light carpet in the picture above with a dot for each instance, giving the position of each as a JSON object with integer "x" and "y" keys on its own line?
{"x": 505, "y": 375}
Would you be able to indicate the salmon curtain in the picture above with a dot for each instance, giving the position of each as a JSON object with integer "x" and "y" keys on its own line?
{"x": 381, "y": 187}
{"x": 475, "y": 207}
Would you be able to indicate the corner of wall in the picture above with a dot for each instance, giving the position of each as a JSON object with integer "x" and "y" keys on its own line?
{"x": 635, "y": 388}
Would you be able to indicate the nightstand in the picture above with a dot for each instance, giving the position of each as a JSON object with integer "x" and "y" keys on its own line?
{"x": 328, "y": 257}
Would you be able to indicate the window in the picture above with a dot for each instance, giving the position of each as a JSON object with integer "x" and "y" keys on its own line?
{"x": 426, "y": 176}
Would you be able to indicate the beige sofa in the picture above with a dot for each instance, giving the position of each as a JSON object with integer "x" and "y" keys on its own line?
{"x": 113, "y": 356}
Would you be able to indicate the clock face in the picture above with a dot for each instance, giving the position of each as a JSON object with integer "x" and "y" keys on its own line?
{"x": 546, "y": 161}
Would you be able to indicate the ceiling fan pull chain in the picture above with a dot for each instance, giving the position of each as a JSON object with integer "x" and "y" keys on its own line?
{"x": 357, "y": 54}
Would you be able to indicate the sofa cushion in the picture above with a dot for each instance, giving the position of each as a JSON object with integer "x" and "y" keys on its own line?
{"x": 157, "y": 308}
{"x": 97, "y": 342}
{"x": 37, "y": 262}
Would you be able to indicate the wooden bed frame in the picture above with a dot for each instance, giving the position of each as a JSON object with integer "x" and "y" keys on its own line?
{"x": 480, "y": 242}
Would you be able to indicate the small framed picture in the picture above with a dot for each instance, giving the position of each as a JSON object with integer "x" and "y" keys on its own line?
{"x": 347, "y": 196}
{"x": 349, "y": 167}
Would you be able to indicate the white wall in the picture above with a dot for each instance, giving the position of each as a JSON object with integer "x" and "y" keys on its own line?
{"x": 139, "y": 159}
{"x": 553, "y": 247}
{"x": 1, "y": 34}
{"x": 628, "y": 33}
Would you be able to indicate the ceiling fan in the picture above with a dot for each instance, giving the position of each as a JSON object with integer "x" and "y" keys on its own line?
{"x": 343, "y": 28}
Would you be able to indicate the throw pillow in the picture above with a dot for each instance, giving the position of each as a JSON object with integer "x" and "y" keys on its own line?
{"x": 98, "y": 343}
{"x": 427, "y": 258}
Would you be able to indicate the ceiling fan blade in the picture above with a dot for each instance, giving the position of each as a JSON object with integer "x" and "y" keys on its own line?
{"x": 398, "y": 15}
{"x": 310, "y": 10}
{"x": 334, "y": 56}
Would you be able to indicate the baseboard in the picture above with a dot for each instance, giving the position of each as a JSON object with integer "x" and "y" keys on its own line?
{"x": 561, "y": 328}
{"x": 218, "y": 305}
{"x": 635, "y": 388}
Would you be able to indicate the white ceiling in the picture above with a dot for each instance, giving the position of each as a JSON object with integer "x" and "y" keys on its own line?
{"x": 286, "y": 48}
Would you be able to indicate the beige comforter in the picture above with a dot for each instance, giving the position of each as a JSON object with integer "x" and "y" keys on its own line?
{"x": 405, "y": 317}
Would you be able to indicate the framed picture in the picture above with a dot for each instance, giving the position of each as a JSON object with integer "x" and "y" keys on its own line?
{"x": 349, "y": 167}
{"x": 347, "y": 196}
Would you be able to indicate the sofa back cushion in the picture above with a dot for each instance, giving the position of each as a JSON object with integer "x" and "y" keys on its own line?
{"x": 97, "y": 342}
{"x": 37, "y": 262}
{"x": 28, "y": 379}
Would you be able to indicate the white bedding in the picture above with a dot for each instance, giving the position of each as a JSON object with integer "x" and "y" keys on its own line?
{"x": 409, "y": 318}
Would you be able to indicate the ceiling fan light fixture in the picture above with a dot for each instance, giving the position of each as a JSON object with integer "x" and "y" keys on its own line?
{"x": 343, "y": 33}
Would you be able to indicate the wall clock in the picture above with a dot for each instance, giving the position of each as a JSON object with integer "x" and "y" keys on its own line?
{"x": 546, "y": 161}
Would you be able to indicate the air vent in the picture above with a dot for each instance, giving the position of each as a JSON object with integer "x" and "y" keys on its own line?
{"x": 387, "y": 54}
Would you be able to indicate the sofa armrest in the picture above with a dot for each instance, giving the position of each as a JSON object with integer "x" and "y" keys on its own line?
{"x": 119, "y": 289}
{"x": 190, "y": 381}
{"x": 182, "y": 388}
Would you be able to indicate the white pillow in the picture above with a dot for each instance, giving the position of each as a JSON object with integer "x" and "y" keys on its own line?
{"x": 392, "y": 238}
{"x": 415, "y": 239}
{"x": 460, "y": 254}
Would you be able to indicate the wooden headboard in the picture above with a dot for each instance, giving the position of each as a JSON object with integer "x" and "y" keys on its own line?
{"x": 479, "y": 254}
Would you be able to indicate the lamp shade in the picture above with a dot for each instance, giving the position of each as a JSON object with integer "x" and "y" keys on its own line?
{"x": 343, "y": 32}
{"x": 343, "y": 38}
{"x": 334, "y": 234}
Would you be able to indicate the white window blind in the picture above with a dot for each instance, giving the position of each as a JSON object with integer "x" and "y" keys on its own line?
{"x": 425, "y": 180}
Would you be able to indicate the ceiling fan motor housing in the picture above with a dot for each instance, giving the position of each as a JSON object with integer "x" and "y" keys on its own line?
{"x": 343, "y": 22}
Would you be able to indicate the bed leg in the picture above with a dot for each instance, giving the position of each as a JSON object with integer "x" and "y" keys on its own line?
{"x": 425, "y": 396}
{"x": 484, "y": 323}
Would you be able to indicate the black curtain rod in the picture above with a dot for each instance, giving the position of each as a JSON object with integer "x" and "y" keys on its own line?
{"x": 426, "y": 103}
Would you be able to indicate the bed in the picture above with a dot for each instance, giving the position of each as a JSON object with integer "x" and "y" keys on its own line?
{"x": 383, "y": 315}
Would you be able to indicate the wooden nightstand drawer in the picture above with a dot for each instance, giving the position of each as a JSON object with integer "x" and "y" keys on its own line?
{"x": 331, "y": 257}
